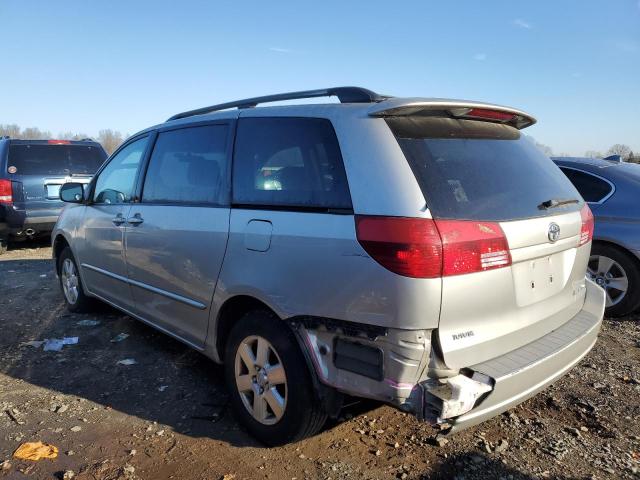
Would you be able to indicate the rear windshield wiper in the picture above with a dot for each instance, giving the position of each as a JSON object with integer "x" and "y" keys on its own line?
{"x": 554, "y": 202}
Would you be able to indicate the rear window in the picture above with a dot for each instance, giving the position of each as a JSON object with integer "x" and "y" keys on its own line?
{"x": 592, "y": 188}
{"x": 480, "y": 170}
{"x": 54, "y": 159}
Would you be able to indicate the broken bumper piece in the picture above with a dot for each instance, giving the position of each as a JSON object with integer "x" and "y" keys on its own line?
{"x": 517, "y": 375}
{"x": 452, "y": 397}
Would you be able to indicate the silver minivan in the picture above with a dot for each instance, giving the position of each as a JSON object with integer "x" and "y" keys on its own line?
{"x": 417, "y": 251}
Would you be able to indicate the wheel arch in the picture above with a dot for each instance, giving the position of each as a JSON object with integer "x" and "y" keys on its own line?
{"x": 234, "y": 308}
{"x": 618, "y": 246}
{"x": 60, "y": 242}
{"x": 230, "y": 312}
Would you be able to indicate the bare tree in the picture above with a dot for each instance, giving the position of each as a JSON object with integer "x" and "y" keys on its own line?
{"x": 620, "y": 149}
{"x": 34, "y": 133}
{"x": 593, "y": 154}
{"x": 31, "y": 133}
{"x": 110, "y": 139}
{"x": 12, "y": 130}
{"x": 71, "y": 136}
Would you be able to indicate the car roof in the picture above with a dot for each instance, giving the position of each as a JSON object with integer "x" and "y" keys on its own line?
{"x": 594, "y": 162}
{"x": 601, "y": 167}
{"x": 20, "y": 141}
{"x": 354, "y": 101}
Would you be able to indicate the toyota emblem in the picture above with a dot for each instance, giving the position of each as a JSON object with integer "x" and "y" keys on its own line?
{"x": 554, "y": 232}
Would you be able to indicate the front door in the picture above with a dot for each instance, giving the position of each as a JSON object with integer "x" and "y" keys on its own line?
{"x": 177, "y": 235}
{"x": 102, "y": 254}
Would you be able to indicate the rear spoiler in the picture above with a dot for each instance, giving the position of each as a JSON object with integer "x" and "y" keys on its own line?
{"x": 394, "y": 107}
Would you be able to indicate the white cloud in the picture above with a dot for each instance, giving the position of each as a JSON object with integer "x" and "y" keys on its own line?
{"x": 481, "y": 57}
{"x": 280, "y": 50}
{"x": 518, "y": 22}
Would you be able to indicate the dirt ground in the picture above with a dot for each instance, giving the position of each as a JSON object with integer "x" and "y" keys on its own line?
{"x": 166, "y": 416}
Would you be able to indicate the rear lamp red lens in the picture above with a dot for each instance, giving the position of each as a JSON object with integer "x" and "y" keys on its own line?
{"x": 471, "y": 246}
{"x": 426, "y": 248}
{"x": 6, "y": 193}
{"x": 586, "y": 232}
{"x": 406, "y": 246}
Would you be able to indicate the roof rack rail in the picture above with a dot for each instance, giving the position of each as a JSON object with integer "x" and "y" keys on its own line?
{"x": 344, "y": 94}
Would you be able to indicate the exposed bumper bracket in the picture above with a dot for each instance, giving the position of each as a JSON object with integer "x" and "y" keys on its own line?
{"x": 454, "y": 396}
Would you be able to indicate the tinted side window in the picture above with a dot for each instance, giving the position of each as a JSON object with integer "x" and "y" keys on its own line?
{"x": 592, "y": 189}
{"x": 188, "y": 166}
{"x": 289, "y": 162}
{"x": 116, "y": 182}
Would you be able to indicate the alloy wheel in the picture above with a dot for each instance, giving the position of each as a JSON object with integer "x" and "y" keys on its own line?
{"x": 69, "y": 278}
{"x": 261, "y": 380}
{"x": 610, "y": 275}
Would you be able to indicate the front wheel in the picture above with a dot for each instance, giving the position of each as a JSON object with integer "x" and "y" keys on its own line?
{"x": 71, "y": 284}
{"x": 270, "y": 386}
{"x": 617, "y": 272}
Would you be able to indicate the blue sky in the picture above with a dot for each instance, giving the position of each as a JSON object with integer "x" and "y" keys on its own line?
{"x": 84, "y": 66}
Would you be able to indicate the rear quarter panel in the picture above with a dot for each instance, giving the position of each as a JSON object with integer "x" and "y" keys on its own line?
{"x": 315, "y": 266}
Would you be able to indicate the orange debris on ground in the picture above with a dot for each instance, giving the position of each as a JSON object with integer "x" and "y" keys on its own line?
{"x": 35, "y": 451}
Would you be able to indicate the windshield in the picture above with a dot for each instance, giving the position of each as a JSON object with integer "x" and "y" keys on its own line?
{"x": 481, "y": 170}
{"x": 39, "y": 159}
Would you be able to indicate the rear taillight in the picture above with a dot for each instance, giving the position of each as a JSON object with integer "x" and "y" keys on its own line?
{"x": 58, "y": 142}
{"x": 6, "y": 194}
{"x": 424, "y": 248}
{"x": 586, "y": 232}
{"x": 470, "y": 246}
{"x": 406, "y": 246}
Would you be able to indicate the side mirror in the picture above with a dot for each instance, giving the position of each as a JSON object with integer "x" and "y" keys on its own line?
{"x": 72, "y": 192}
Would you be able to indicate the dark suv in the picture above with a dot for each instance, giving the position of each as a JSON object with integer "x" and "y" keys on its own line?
{"x": 31, "y": 173}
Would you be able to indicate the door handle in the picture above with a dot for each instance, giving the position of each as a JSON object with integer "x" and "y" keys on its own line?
{"x": 135, "y": 220}
{"x": 119, "y": 220}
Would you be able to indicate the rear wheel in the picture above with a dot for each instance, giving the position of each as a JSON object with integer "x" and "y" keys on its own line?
{"x": 71, "y": 284}
{"x": 617, "y": 272}
{"x": 270, "y": 386}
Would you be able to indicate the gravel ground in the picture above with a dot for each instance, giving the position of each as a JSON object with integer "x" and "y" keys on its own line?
{"x": 166, "y": 415}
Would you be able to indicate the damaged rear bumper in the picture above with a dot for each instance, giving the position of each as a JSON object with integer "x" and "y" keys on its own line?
{"x": 520, "y": 374}
{"x": 400, "y": 367}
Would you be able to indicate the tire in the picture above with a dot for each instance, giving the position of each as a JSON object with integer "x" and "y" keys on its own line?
{"x": 4, "y": 242}
{"x": 291, "y": 386}
{"x": 612, "y": 267}
{"x": 71, "y": 284}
